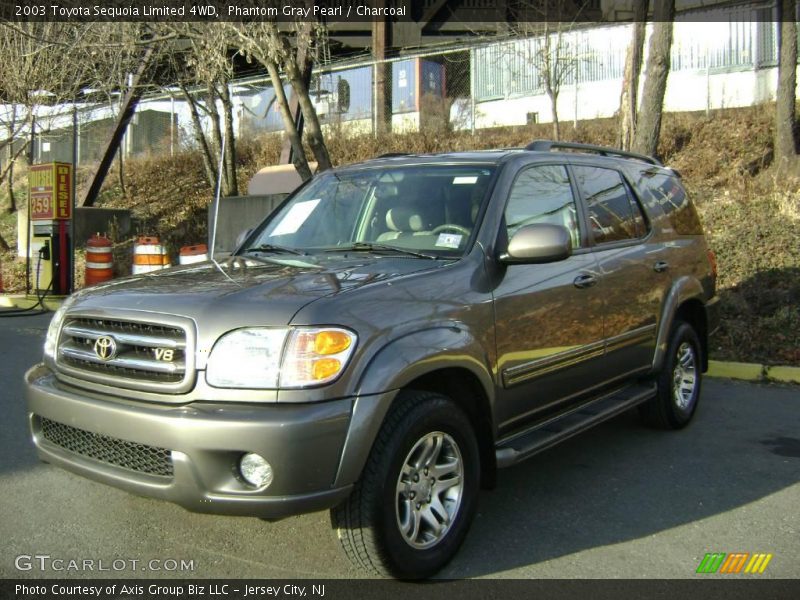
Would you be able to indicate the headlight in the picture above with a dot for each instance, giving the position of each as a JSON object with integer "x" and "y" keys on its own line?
{"x": 246, "y": 358}
{"x": 51, "y": 340}
{"x": 267, "y": 358}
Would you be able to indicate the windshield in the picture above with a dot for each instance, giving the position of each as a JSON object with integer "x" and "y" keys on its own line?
{"x": 419, "y": 211}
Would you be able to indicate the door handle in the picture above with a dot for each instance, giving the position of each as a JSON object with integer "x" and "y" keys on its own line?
{"x": 584, "y": 281}
{"x": 661, "y": 266}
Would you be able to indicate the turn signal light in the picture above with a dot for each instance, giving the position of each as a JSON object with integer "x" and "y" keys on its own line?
{"x": 331, "y": 341}
{"x": 325, "y": 368}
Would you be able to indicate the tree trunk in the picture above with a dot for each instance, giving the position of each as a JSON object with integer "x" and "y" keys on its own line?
{"x": 289, "y": 126}
{"x": 316, "y": 140}
{"x": 552, "y": 85}
{"x": 298, "y": 65}
{"x": 628, "y": 100}
{"x": 3, "y": 243}
{"x": 197, "y": 130}
{"x": 553, "y": 95}
{"x": 8, "y": 171}
{"x": 230, "y": 146}
{"x": 648, "y": 123}
{"x": 12, "y": 203}
{"x": 785, "y": 141}
{"x": 216, "y": 136}
{"x": 121, "y": 173}
{"x": 381, "y": 32}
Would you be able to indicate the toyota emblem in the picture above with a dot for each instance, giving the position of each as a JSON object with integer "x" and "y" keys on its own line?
{"x": 105, "y": 347}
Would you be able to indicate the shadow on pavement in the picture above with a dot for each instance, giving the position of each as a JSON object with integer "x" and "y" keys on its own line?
{"x": 622, "y": 481}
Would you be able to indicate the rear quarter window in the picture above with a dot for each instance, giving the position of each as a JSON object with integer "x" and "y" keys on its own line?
{"x": 667, "y": 192}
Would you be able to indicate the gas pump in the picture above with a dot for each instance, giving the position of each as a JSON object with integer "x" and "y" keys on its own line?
{"x": 50, "y": 210}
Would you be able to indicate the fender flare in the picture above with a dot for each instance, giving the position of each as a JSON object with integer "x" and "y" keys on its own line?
{"x": 393, "y": 367}
{"x": 685, "y": 288}
{"x": 403, "y": 359}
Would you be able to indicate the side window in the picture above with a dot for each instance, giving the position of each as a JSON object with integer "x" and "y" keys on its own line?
{"x": 542, "y": 194}
{"x": 667, "y": 192}
{"x": 614, "y": 215}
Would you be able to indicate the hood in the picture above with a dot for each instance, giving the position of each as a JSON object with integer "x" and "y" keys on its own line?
{"x": 246, "y": 291}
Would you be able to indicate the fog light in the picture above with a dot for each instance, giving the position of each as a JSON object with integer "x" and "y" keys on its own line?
{"x": 255, "y": 470}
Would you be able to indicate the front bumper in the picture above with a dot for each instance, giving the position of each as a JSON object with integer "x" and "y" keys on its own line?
{"x": 304, "y": 443}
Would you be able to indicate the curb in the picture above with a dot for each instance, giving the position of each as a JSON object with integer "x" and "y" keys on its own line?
{"x": 20, "y": 301}
{"x": 753, "y": 372}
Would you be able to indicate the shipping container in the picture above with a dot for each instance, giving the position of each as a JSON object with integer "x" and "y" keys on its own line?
{"x": 414, "y": 78}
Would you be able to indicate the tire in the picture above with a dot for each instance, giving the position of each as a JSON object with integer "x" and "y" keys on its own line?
{"x": 385, "y": 525}
{"x": 679, "y": 381}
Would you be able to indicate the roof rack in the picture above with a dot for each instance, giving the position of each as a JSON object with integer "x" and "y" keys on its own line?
{"x": 548, "y": 145}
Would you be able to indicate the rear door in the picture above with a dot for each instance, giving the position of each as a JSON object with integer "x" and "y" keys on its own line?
{"x": 633, "y": 270}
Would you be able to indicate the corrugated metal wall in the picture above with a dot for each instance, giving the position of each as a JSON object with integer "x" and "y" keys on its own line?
{"x": 513, "y": 68}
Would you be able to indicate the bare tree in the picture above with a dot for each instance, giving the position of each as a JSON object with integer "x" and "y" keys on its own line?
{"x": 288, "y": 51}
{"x": 648, "y": 122}
{"x": 555, "y": 62}
{"x": 629, "y": 96}
{"x": 785, "y": 122}
{"x": 114, "y": 51}
{"x": 551, "y": 50}
{"x": 53, "y": 64}
{"x": 33, "y": 72}
{"x": 202, "y": 63}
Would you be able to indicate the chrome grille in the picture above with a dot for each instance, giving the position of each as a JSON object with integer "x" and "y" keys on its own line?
{"x": 144, "y": 356}
{"x": 128, "y": 455}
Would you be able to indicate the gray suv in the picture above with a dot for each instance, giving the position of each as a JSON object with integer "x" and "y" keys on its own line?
{"x": 387, "y": 339}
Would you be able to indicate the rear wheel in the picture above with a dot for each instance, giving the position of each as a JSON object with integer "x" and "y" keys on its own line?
{"x": 411, "y": 510}
{"x": 678, "y": 382}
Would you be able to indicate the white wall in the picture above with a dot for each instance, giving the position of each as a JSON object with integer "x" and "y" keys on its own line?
{"x": 686, "y": 91}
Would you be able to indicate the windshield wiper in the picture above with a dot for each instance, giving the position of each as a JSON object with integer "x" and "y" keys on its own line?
{"x": 274, "y": 248}
{"x": 374, "y": 247}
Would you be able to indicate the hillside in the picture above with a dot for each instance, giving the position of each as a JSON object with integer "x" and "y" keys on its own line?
{"x": 751, "y": 214}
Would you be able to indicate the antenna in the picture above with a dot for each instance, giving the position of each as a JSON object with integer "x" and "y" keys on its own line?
{"x": 216, "y": 200}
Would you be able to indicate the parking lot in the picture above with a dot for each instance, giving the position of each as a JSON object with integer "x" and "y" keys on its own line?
{"x": 619, "y": 501}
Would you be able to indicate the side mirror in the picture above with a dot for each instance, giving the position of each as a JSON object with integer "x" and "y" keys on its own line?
{"x": 538, "y": 243}
{"x": 241, "y": 238}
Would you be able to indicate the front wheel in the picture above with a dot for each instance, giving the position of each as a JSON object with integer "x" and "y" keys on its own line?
{"x": 678, "y": 382}
{"x": 410, "y": 511}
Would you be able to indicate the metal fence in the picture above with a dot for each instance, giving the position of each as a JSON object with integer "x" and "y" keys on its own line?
{"x": 484, "y": 83}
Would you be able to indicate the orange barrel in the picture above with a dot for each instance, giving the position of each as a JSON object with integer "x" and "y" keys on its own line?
{"x": 149, "y": 255}
{"x": 193, "y": 254}
{"x": 99, "y": 260}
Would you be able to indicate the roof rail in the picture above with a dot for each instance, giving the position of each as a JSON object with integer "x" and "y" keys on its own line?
{"x": 392, "y": 154}
{"x": 548, "y": 145}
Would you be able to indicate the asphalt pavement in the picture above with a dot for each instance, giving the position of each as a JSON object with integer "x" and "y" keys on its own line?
{"x": 620, "y": 501}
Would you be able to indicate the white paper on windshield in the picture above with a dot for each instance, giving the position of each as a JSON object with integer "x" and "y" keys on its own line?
{"x": 465, "y": 180}
{"x": 449, "y": 240}
{"x": 296, "y": 216}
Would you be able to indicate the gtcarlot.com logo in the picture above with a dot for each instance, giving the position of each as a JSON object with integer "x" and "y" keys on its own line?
{"x": 734, "y": 562}
{"x": 45, "y": 562}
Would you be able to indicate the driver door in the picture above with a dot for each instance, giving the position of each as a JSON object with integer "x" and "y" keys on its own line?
{"x": 549, "y": 317}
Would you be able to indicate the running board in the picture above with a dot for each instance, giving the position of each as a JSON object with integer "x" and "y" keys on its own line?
{"x": 545, "y": 435}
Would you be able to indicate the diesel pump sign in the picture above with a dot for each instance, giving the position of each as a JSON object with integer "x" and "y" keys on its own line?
{"x": 50, "y": 187}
